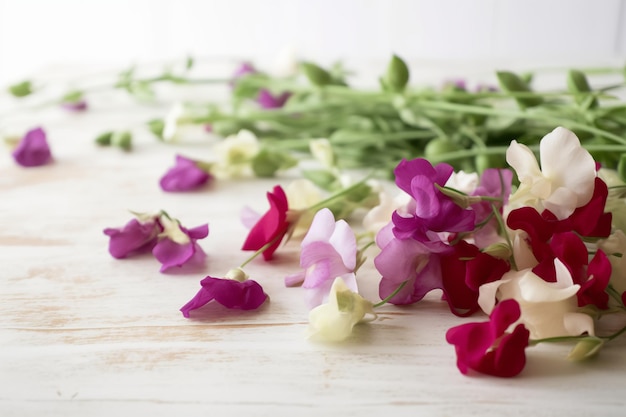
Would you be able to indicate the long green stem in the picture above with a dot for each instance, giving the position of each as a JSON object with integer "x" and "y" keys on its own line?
{"x": 390, "y": 296}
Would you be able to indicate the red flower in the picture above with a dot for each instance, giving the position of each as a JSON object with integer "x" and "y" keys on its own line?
{"x": 486, "y": 348}
{"x": 271, "y": 227}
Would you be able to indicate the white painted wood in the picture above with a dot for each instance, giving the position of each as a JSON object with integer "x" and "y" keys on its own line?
{"x": 83, "y": 334}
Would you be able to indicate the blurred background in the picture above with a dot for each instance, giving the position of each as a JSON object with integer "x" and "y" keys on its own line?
{"x": 41, "y": 35}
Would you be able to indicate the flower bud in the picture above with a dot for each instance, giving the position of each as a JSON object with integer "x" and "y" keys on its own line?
{"x": 237, "y": 274}
{"x": 397, "y": 75}
{"x": 21, "y": 89}
{"x": 122, "y": 140}
{"x": 586, "y": 348}
{"x": 104, "y": 139}
{"x": 316, "y": 75}
{"x": 156, "y": 126}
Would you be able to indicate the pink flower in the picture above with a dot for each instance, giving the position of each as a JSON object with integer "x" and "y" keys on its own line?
{"x": 231, "y": 293}
{"x": 75, "y": 106}
{"x": 328, "y": 252}
{"x": 134, "y": 237}
{"x": 267, "y": 100}
{"x": 487, "y": 348}
{"x": 175, "y": 248}
{"x": 186, "y": 175}
{"x": 270, "y": 229}
{"x": 33, "y": 149}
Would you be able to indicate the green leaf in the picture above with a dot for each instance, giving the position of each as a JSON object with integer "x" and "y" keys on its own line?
{"x": 189, "y": 63}
{"x": 123, "y": 140}
{"x": 578, "y": 85}
{"x": 267, "y": 162}
{"x": 621, "y": 167}
{"x": 324, "y": 179}
{"x": 156, "y": 126}
{"x": 104, "y": 139}
{"x": 73, "y": 97}
{"x": 21, "y": 89}
{"x": 512, "y": 83}
{"x": 316, "y": 75}
{"x": 397, "y": 75}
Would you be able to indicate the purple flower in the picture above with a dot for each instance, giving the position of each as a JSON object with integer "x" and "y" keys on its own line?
{"x": 134, "y": 237}
{"x": 328, "y": 251}
{"x": 244, "y": 69}
{"x": 170, "y": 242}
{"x": 75, "y": 106}
{"x": 177, "y": 245}
{"x": 33, "y": 149}
{"x": 432, "y": 211}
{"x": 267, "y": 100}
{"x": 184, "y": 176}
{"x": 231, "y": 293}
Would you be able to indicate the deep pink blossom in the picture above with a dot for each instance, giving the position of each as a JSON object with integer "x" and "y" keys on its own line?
{"x": 271, "y": 227}
{"x": 172, "y": 253}
{"x": 432, "y": 211}
{"x": 267, "y": 100}
{"x": 33, "y": 149}
{"x": 186, "y": 175}
{"x": 487, "y": 348}
{"x": 75, "y": 106}
{"x": 134, "y": 237}
{"x": 246, "y": 295}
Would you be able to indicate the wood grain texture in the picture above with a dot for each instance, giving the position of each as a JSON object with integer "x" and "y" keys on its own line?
{"x": 83, "y": 334}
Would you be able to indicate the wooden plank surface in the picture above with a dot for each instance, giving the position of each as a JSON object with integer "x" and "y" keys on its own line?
{"x": 83, "y": 334}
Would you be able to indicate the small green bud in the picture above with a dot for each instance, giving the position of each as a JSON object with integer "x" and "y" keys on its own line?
{"x": 122, "y": 140}
{"x": 397, "y": 75}
{"x": 586, "y": 348}
{"x": 324, "y": 179}
{"x": 460, "y": 199}
{"x": 266, "y": 163}
{"x": 21, "y": 89}
{"x": 499, "y": 250}
{"x": 316, "y": 74}
{"x": 577, "y": 84}
{"x": 156, "y": 126}
{"x": 104, "y": 139}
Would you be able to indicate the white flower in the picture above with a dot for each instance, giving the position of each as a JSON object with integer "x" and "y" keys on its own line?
{"x": 549, "y": 309}
{"x": 615, "y": 248}
{"x": 322, "y": 150}
{"x": 463, "y": 182}
{"x": 171, "y": 122}
{"x": 380, "y": 215}
{"x": 235, "y": 154}
{"x": 302, "y": 194}
{"x": 334, "y": 321}
{"x": 566, "y": 178}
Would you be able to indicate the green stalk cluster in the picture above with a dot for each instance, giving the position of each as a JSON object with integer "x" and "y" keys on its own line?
{"x": 471, "y": 130}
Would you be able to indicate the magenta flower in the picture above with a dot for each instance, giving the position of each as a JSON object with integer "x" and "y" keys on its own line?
{"x": 432, "y": 211}
{"x": 170, "y": 242}
{"x": 33, "y": 149}
{"x": 244, "y": 69}
{"x": 177, "y": 245}
{"x": 267, "y": 100}
{"x": 231, "y": 293}
{"x": 134, "y": 237}
{"x": 270, "y": 229}
{"x": 487, "y": 348}
{"x": 186, "y": 175}
{"x": 328, "y": 252}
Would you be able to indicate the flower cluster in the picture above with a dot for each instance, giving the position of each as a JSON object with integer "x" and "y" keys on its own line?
{"x": 544, "y": 261}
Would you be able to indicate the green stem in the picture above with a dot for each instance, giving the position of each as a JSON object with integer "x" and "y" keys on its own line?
{"x": 390, "y": 296}
{"x": 337, "y": 195}
{"x": 502, "y": 226}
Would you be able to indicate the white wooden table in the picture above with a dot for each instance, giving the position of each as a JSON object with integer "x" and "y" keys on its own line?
{"x": 83, "y": 334}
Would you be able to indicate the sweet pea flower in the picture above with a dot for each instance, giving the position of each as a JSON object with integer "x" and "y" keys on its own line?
{"x": 235, "y": 154}
{"x": 234, "y": 291}
{"x": 378, "y": 216}
{"x": 177, "y": 245}
{"x": 302, "y": 194}
{"x": 565, "y": 180}
{"x": 549, "y": 309}
{"x": 268, "y": 100}
{"x": 186, "y": 175}
{"x": 270, "y": 229}
{"x": 137, "y": 235}
{"x": 172, "y": 121}
{"x": 487, "y": 347}
{"x": 335, "y": 320}
{"x": 33, "y": 150}
{"x": 328, "y": 252}
{"x": 75, "y": 106}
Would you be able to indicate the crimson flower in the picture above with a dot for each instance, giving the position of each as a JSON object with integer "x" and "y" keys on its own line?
{"x": 186, "y": 175}
{"x": 270, "y": 229}
{"x": 487, "y": 348}
{"x": 33, "y": 149}
{"x": 231, "y": 293}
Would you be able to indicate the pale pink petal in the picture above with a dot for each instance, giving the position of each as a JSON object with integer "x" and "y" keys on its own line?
{"x": 344, "y": 241}
{"x": 321, "y": 228}
{"x": 249, "y": 217}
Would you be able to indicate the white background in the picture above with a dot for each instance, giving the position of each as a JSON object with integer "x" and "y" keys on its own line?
{"x": 36, "y": 35}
